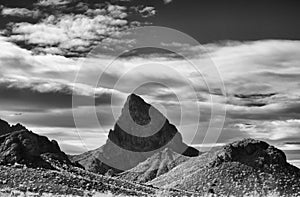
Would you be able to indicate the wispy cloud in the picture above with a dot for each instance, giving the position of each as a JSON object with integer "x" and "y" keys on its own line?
{"x": 20, "y": 12}
{"x": 52, "y": 2}
{"x": 273, "y": 130}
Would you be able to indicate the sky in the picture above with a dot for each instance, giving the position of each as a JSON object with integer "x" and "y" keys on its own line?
{"x": 52, "y": 52}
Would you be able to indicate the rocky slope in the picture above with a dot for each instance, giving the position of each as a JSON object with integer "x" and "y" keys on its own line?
{"x": 140, "y": 132}
{"x": 19, "y": 145}
{"x": 155, "y": 166}
{"x": 72, "y": 181}
{"x": 238, "y": 168}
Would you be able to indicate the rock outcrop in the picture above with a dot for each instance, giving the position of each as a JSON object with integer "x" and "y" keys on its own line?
{"x": 140, "y": 132}
{"x": 251, "y": 152}
{"x": 19, "y": 145}
{"x": 4, "y": 127}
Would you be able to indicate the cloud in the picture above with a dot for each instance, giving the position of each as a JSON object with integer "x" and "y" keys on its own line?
{"x": 70, "y": 28}
{"x": 248, "y": 71}
{"x": 273, "y": 130}
{"x": 167, "y": 1}
{"x": 18, "y": 63}
{"x": 254, "y": 96}
{"x": 261, "y": 80}
{"x": 43, "y": 96}
{"x": 20, "y": 12}
{"x": 52, "y": 2}
{"x": 147, "y": 11}
{"x": 70, "y": 33}
{"x": 117, "y": 11}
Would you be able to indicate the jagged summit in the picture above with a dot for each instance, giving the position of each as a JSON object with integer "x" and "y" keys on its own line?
{"x": 136, "y": 100}
{"x": 6, "y": 128}
{"x": 135, "y": 109}
{"x": 135, "y": 97}
{"x": 143, "y": 128}
{"x": 140, "y": 132}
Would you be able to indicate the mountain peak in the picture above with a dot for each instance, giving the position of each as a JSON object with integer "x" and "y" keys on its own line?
{"x": 134, "y": 97}
{"x": 138, "y": 110}
{"x": 141, "y": 127}
{"x": 140, "y": 131}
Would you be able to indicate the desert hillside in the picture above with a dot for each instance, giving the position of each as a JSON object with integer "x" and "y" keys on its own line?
{"x": 238, "y": 168}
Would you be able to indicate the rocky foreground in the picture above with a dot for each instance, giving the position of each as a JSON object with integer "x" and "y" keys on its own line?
{"x": 71, "y": 181}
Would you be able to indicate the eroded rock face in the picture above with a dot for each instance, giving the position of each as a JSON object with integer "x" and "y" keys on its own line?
{"x": 252, "y": 152}
{"x": 20, "y": 145}
{"x": 140, "y": 132}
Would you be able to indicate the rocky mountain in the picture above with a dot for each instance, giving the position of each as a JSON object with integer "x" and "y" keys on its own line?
{"x": 140, "y": 132}
{"x": 239, "y": 168}
{"x": 32, "y": 165}
{"x": 19, "y": 145}
{"x": 153, "y": 167}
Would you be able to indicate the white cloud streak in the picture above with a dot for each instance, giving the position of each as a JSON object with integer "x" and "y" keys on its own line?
{"x": 274, "y": 130}
{"x": 20, "y": 12}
